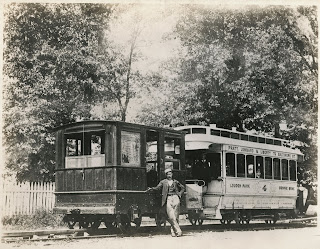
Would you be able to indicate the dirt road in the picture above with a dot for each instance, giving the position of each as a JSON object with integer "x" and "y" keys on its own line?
{"x": 304, "y": 238}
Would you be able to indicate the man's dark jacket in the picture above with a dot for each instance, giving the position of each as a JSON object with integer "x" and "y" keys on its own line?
{"x": 164, "y": 185}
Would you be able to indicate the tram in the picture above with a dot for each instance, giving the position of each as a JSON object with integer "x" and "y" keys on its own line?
{"x": 104, "y": 167}
{"x": 235, "y": 176}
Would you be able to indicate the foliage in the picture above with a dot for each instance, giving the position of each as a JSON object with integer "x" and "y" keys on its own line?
{"x": 51, "y": 78}
{"x": 252, "y": 68}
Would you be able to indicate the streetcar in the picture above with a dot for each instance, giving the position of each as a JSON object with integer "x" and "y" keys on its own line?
{"x": 237, "y": 176}
{"x": 104, "y": 167}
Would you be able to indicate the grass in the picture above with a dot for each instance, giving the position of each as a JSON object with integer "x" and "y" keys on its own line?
{"x": 41, "y": 219}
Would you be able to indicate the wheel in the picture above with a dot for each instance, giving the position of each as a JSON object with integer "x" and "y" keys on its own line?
{"x": 71, "y": 223}
{"x": 237, "y": 218}
{"x": 275, "y": 218}
{"x": 137, "y": 222}
{"x": 193, "y": 221}
{"x": 95, "y": 224}
{"x": 84, "y": 224}
{"x": 200, "y": 222}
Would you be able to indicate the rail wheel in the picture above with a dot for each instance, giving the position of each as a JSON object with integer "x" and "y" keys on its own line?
{"x": 95, "y": 224}
{"x": 71, "y": 221}
{"x": 237, "y": 217}
{"x": 194, "y": 221}
{"x": 123, "y": 223}
{"x": 84, "y": 224}
{"x": 223, "y": 222}
{"x": 110, "y": 224}
{"x": 275, "y": 218}
{"x": 138, "y": 221}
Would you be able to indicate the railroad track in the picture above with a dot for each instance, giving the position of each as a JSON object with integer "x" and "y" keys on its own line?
{"x": 146, "y": 231}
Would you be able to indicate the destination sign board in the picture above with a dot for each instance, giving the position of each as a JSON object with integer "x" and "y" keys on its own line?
{"x": 262, "y": 152}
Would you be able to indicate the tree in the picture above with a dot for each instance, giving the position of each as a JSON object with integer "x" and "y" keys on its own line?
{"x": 50, "y": 70}
{"x": 252, "y": 68}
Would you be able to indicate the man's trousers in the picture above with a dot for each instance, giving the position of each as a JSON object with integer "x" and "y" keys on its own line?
{"x": 173, "y": 210}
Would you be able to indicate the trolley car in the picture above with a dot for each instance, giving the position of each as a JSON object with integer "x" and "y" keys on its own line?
{"x": 235, "y": 176}
{"x": 104, "y": 167}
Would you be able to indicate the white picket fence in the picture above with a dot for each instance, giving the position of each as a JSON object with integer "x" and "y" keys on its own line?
{"x": 26, "y": 198}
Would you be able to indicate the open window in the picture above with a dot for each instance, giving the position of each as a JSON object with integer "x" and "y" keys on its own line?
{"x": 172, "y": 152}
{"x": 85, "y": 149}
{"x": 152, "y": 160}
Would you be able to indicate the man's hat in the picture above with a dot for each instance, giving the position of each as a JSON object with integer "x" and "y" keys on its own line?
{"x": 167, "y": 170}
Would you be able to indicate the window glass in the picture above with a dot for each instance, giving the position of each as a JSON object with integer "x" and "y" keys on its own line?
{"x": 85, "y": 149}
{"x": 74, "y": 147}
{"x": 250, "y": 166}
{"x": 293, "y": 170}
{"x": 215, "y": 132}
{"x": 240, "y": 166}
{"x": 284, "y": 168}
{"x": 214, "y": 160}
{"x": 235, "y": 135}
{"x": 152, "y": 158}
{"x": 172, "y": 153}
{"x": 268, "y": 168}
{"x": 261, "y": 140}
{"x": 96, "y": 144}
{"x": 253, "y": 139}
{"x": 130, "y": 148}
{"x": 259, "y": 167}
{"x": 277, "y": 142}
{"x": 225, "y": 134}
{"x": 199, "y": 130}
{"x": 276, "y": 168}
{"x": 230, "y": 164}
{"x": 244, "y": 137}
{"x": 187, "y": 131}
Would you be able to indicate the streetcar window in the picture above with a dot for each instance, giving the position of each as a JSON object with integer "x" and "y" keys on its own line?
{"x": 293, "y": 170}
{"x": 253, "y": 139}
{"x": 85, "y": 149}
{"x": 240, "y": 166}
{"x": 268, "y": 168}
{"x": 199, "y": 131}
{"x": 214, "y": 160}
{"x": 187, "y": 131}
{"x": 262, "y": 140}
{"x": 259, "y": 167}
{"x": 284, "y": 168}
{"x": 172, "y": 153}
{"x": 152, "y": 157}
{"x": 276, "y": 168}
{"x": 235, "y": 135}
{"x": 225, "y": 134}
{"x": 244, "y": 137}
{"x": 130, "y": 148}
{"x": 215, "y": 132}
{"x": 230, "y": 164}
{"x": 277, "y": 142}
{"x": 250, "y": 166}
{"x": 74, "y": 147}
{"x": 269, "y": 141}
{"x": 93, "y": 144}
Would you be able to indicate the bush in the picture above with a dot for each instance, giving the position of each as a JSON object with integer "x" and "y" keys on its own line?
{"x": 41, "y": 219}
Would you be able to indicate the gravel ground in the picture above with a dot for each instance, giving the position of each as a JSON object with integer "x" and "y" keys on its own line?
{"x": 304, "y": 238}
